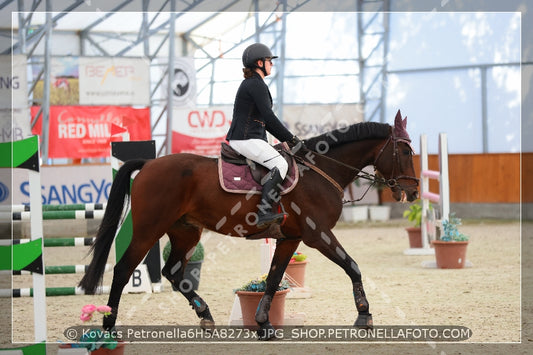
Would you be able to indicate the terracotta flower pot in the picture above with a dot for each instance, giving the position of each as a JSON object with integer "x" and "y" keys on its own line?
{"x": 250, "y": 300}
{"x": 296, "y": 273}
{"x": 415, "y": 237}
{"x": 450, "y": 255}
{"x": 119, "y": 350}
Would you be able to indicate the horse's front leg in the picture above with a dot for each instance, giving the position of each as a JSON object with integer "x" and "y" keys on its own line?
{"x": 284, "y": 250}
{"x": 329, "y": 246}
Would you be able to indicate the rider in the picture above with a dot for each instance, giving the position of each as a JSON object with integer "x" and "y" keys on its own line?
{"x": 252, "y": 117}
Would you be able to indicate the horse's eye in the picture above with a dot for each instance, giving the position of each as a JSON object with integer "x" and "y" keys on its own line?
{"x": 407, "y": 152}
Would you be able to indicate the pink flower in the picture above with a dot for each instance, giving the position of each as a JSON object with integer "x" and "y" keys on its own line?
{"x": 106, "y": 310}
{"x": 88, "y": 308}
{"x": 85, "y": 317}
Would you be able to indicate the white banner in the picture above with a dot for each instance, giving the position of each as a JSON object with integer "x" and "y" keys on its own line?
{"x": 13, "y": 83}
{"x": 312, "y": 120}
{"x": 62, "y": 185}
{"x": 114, "y": 81}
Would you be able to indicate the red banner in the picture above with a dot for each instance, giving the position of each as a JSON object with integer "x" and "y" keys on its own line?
{"x": 86, "y": 131}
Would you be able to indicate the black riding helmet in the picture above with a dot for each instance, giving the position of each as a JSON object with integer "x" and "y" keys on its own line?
{"x": 253, "y": 53}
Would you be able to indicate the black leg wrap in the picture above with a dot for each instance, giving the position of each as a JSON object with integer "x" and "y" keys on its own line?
{"x": 364, "y": 317}
{"x": 198, "y": 304}
{"x": 202, "y": 311}
{"x": 261, "y": 315}
{"x": 360, "y": 298}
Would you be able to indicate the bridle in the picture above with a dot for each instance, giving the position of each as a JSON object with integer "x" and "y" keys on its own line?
{"x": 393, "y": 180}
{"x": 374, "y": 178}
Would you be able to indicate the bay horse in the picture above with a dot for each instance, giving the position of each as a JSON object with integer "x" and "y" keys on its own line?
{"x": 180, "y": 195}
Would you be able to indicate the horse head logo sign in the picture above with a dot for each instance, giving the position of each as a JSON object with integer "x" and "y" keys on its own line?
{"x": 184, "y": 82}
{"x": 180, "y": 84}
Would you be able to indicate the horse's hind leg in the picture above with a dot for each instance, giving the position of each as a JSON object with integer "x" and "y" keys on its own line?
{"x": 183, "y": 239}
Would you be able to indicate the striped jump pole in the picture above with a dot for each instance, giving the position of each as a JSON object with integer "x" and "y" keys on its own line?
{"x": 51, "y": 291}
{"x": 55, "y": 242}
{"x": 71, "y": 207}
{"x": 54, "y": 215}
{"x": 63, "y": 269}
{"x": 68, "y": 242}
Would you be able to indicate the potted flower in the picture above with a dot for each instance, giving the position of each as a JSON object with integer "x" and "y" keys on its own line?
{"x": 450, "y": 248}
{"x": 251, "y": 293}
{"x": 97, "y": 341}
{"x": 295, "y": 272}
{"x": 414, "y": 215}
{"x": 193, "y": 267}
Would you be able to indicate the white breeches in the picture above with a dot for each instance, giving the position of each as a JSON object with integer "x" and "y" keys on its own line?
{"x": 262, "y": 153}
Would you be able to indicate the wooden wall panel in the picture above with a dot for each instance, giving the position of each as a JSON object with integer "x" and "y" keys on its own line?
{"x": 483, "y": 178}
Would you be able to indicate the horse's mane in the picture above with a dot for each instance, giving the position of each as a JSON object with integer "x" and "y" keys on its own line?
{"x": 355, "y": 132}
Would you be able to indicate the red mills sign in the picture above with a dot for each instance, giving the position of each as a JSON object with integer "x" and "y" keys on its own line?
{"x": 85, "y": 131}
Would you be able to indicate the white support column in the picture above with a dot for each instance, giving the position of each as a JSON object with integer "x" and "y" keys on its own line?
{"x": 444, "y": 191}
{"x": 39, "y": 286}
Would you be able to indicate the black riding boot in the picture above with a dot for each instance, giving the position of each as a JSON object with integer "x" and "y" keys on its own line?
{"x": 270, "y": 195}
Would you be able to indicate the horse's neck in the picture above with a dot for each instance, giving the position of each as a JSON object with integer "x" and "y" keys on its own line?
{"x": 356, "y": 155}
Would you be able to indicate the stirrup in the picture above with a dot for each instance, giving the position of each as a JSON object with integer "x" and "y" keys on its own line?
{"x": 266, "y": 220}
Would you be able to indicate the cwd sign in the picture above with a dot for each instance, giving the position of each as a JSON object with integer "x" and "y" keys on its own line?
{"x": 200, "y": 130}
{"x": 207, "y": 119}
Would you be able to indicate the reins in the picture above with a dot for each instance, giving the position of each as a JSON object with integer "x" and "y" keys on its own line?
{"x": 360, "y": 173}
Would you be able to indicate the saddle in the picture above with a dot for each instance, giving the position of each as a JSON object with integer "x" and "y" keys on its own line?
{"x": 238, "y": 174}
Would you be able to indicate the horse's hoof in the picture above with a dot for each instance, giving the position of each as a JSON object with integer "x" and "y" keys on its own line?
{"x": 266, "y": 332}
{"x": 208, "y": 325}
{"x": 364, "y": 321}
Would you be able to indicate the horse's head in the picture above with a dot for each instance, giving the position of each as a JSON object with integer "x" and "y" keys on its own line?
{"x": 394, "y": 162}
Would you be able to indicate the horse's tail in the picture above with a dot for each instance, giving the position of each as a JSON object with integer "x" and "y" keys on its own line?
{"x": 108, "y": 228}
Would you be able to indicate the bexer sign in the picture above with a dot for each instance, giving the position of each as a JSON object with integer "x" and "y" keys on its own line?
{"x": 102, "y": 71}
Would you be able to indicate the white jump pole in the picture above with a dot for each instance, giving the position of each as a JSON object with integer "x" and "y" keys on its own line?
{"x": 442, "y": 199}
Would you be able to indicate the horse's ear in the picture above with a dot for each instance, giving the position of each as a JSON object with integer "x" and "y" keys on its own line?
{"x": 400, "y": 126}
{"x": 398, "y": 116}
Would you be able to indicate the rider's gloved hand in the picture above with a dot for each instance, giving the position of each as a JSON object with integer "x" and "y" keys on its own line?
{"x": 297, "y": 145}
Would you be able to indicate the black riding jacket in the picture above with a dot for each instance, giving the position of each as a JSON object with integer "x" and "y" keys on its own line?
{"x": 253, "y": 115}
